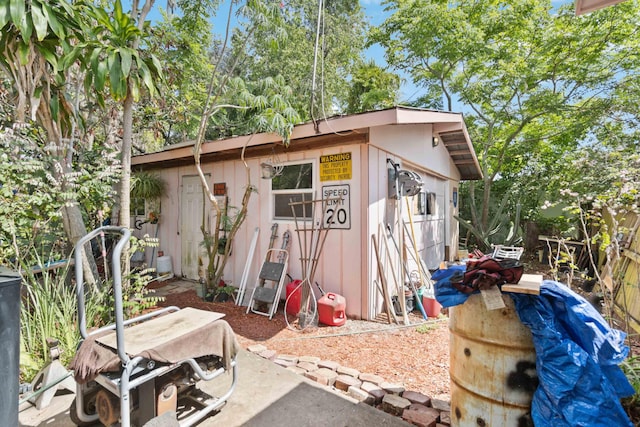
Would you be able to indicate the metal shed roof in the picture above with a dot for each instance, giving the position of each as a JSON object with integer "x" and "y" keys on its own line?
{"x": 449, "y": 126}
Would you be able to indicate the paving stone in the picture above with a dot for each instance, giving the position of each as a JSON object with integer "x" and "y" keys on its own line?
{"x": 268, "y": 354}
{"x": 441, "y": 405}
{"x": 288, "y": 357}
{"x": 332, "y": 375}
{"x": 315, "y": 377}
{"x": 310, "y": 359}
{"x": 419, "y": 407}
{"x": 392, "y": 398}
{"x": 361, "y": 395}
{"x": 394, "y": 404}
{"x": 343, "y": 382}
{"x": 420, "y": 418}
{"x": 445, "y": 418}
{"x": 307, "y": 366}
{"x": 393, "y": 388}
{"x": 323, "y": 376}
{"x": 348, "y": 371}
{"x": 296, "y": 370}
{"x": 256, "y": 348}
{"x": 368, "y": 387}
{"x": 283, "y": 362}
{"x": 374, "y": 391}
{"x": 371, "y": 378}
{"x": 329, "y": 364}
{"x": 415, "y": 397}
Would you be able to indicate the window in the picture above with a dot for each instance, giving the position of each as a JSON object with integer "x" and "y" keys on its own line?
{"x": 294, "y": 184}
{"x": 420, "y": 204}
{"x": 425, "y": 203}
{"x": 137, "y": 207}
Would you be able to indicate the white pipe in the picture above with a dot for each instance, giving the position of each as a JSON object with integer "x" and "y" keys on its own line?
{"x": 247, "y": 267}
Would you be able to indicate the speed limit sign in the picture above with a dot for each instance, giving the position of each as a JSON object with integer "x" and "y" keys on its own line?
{"x": 337, "y": 206}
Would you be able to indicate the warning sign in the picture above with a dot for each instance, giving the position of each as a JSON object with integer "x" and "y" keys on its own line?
{"x": 335, "y": 167}
{"x": 337, "y": 208}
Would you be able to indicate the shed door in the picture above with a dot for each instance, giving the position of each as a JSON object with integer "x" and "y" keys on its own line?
{"x": 191, "y": 220}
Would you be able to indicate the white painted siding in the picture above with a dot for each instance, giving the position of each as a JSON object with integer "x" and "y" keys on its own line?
{"x": 339, "y": 268}
{"x": 413, "y": 143}
{"x": 347, "y": 264}
{"x": 432, "y": 232}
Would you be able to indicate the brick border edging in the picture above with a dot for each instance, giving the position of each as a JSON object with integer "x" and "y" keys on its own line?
{"x": 413, "y": 407}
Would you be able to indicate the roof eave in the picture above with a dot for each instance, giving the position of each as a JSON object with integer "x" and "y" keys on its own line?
{"x": 442, "y": 121}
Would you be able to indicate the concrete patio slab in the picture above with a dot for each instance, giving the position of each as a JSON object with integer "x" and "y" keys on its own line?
{"x": 266, "y": 395}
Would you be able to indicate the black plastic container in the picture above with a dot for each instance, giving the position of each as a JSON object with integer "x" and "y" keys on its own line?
{"x": 10, "y": 346}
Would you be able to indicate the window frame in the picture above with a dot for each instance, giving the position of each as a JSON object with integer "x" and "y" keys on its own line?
{"x": 424, "y": 203}
{"x": 305, "y": 191}
{"x": 138, "y": 207}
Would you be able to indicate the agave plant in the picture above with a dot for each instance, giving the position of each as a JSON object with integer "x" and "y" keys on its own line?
{"x": 501, "y": 230}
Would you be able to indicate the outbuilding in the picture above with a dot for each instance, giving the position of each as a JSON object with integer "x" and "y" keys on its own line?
{"x": 361, "y": 172}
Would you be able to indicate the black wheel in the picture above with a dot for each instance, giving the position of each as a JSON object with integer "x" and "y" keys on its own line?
{"x": 89, "y": 408}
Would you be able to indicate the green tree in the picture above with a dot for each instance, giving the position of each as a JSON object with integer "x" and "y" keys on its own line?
{"x": 36, "y": 42}
{"x": 264, "y": 102}
{"x": 185, "y": 46}
{"x": 117, "y": 62}
{"x": 531, "y": 79}
{"x": 320, "y": 83}
{"x": 372, "y": 88}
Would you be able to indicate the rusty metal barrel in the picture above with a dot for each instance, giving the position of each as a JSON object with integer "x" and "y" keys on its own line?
{"x": 492, "y": 365}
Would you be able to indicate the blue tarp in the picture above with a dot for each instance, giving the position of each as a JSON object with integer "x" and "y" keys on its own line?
{"x": 446, "y": 294}
{"x": 577, "y": 355}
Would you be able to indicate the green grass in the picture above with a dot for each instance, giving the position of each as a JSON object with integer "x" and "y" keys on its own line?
{"x": 49, "y": 310}
{"x": 425, "y": 328}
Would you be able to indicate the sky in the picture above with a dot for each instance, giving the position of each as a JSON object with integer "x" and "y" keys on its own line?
{"x": 376, "y": 14}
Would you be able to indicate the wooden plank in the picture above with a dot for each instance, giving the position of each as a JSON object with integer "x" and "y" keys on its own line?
{"x": 625, "y": 274}
{"x": 160, "y": 330}
{"x": 528, "y": 284}
{"x": 633, "y": 256}
{"x": 633, "y": 323}
{"x": 383, "y": 282}
{"x": 463, "y": 162}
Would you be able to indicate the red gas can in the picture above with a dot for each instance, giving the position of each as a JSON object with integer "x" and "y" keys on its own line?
{"x": 293, "y": 304}
{"x": 331, "y": 309}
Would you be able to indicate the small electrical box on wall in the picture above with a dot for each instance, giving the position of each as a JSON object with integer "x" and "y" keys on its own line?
{"x": 403, "y": 183}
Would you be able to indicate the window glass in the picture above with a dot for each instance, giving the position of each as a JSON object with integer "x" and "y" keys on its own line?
{"x": 293, "y": 185}
{"x": 137, "y": 207}
{"x": 283, "y": 209}
{"x": 421, "y": 203}
{"x": 431, "y": 203}
{"x": 294, "y": 177}
{"x": 424, "y": 203}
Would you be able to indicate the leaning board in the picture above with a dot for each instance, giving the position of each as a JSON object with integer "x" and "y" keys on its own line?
{"x": 160, "y": 330}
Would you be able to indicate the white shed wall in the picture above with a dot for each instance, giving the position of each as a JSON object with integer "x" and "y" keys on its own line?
{"x": 339, "y": 268}
{"x": 413, "y": 143}
{"x": 433, "y": 231}
{"x": 347, "y": 264}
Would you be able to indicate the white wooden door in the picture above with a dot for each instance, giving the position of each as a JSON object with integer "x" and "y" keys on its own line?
{"x": 191, "y": 212}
